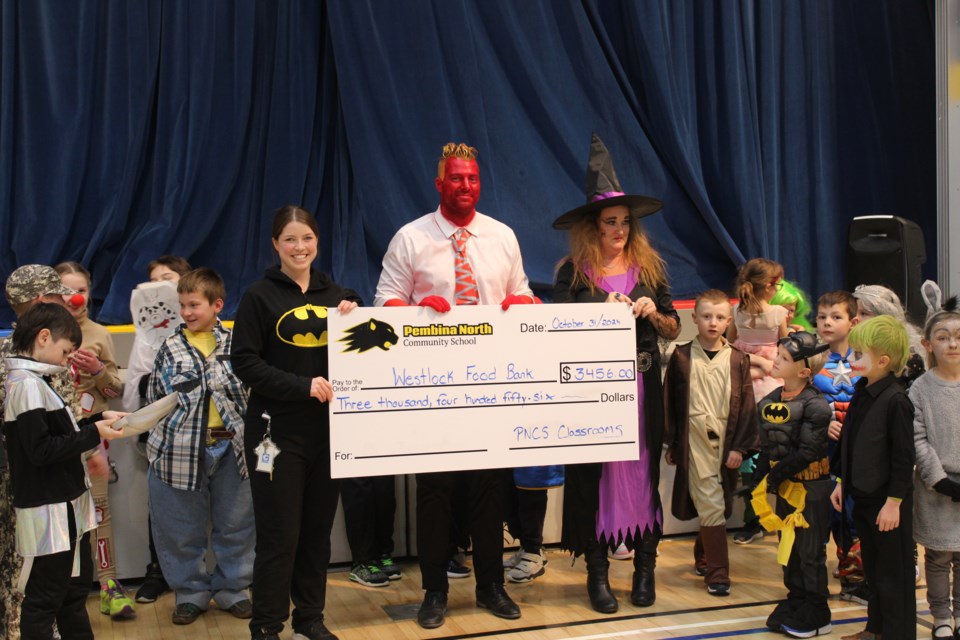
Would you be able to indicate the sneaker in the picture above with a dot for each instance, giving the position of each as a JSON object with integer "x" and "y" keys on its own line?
{"x": 369, "y": 575}
{"x": 186, "y": 613}
{"x": 858, "y": 592}
{"x": 389, "y": 567}
{"x": 457, "y": 570}
{"x": 154, "y": 585}
{"x": 748, "y": 534}
{"x": 942, "y": 630}
{"x": 529, "y": 567}
{"x": 511, "y": 561}
{"x": 718, "y": 589}
{"x": 316, "y": 630}
{"x": 114, "y": 602}
{"x": 807, "y": 633}
{"x": 621, "y": 553}
{"x": 781, "y": 613}
{"x": 700, "y": 571}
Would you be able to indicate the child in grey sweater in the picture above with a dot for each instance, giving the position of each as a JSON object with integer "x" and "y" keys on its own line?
{"x": 936, "y": 399}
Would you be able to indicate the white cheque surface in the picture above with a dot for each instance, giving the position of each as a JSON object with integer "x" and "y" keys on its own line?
{"x": 419, "y": 391}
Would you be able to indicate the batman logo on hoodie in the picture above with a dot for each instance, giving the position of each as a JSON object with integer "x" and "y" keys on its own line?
{"x": 304, "y": 326}
{"x": 775, "y": 413}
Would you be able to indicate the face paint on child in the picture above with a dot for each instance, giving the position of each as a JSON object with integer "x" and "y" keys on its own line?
{"x": 944, "y": 342}
{"x": 868, "y": 364}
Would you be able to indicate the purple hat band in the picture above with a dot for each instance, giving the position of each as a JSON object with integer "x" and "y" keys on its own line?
{"x": 606, "y": 194}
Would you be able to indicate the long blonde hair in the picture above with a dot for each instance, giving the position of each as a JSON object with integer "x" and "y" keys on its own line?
{"x": 638, "y": 253}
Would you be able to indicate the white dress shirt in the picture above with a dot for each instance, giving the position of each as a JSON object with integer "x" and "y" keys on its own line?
{"x": 420, "y": 261}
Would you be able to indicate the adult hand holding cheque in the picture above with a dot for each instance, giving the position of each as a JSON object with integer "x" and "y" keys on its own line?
{"x": 419, "y": 391}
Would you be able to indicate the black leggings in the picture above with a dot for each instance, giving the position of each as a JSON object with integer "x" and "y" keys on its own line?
{"x": 294, "y": 513}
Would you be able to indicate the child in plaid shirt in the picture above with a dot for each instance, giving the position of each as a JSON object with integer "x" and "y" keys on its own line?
{"x": 197, "y": 476}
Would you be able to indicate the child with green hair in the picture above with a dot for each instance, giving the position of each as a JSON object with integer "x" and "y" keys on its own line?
{"x": 874, "y": 465}
{"x": 795, "y": 301}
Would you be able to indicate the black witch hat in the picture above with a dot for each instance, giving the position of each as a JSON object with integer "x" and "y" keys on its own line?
{"x": 603, "y": 190}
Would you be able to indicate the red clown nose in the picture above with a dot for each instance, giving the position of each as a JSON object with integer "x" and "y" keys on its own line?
{"x": 77, "y": 301}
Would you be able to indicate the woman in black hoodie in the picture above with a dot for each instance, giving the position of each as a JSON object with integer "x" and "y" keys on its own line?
{"x": 280, "y": 352}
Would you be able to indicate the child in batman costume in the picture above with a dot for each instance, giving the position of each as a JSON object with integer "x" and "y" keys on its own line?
{"x": 793, "y": 464}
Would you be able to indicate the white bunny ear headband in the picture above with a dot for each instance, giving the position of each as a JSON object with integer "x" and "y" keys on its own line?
{"x": 933, "y": 298}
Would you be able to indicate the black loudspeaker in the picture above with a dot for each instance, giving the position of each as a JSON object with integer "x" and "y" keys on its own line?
{"x": 887, "y": 250}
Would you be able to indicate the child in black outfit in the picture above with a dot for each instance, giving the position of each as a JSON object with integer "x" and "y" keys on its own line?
{"x": 794, "y": 420}
{"x": 875, "y": 466}
{"x": 54, "y": 506}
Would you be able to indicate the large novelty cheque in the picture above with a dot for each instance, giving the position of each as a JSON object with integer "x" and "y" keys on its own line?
{"x": 418, "y": 391}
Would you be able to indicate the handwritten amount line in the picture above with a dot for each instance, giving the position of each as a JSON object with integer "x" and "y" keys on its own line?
{"x": 472, "y": 406}
{"x": 583, "y": 444}
{"x": 422, "y": 453}
{"x": 462, "y": 384}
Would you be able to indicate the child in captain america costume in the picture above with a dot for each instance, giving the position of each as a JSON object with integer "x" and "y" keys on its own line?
{"x": 836, "y": 316}
{"x": 836, "y": 383}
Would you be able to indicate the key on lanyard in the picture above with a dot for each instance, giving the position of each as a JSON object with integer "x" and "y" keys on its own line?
{"x": 267, "y": 451}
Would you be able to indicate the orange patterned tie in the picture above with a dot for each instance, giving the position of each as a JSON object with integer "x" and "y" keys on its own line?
{"x": 466, "y": 286}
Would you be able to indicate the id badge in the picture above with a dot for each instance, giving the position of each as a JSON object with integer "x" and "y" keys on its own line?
{"x": 267, "y": 453}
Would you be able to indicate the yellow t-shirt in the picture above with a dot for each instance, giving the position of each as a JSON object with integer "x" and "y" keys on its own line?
{"x": 206, "y": 343}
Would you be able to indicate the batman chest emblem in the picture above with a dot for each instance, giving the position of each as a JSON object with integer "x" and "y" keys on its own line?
{"x": 775, "y": 413}
{"x": 304, "y": 326}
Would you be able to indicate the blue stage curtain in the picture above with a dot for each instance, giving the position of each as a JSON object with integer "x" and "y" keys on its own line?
{"x": 131, "y": 129}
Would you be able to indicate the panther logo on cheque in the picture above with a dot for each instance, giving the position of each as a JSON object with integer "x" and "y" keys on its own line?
{"x": 369, "y": 334}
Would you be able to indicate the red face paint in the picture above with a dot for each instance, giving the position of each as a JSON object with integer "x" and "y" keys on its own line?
{"x": 459, "y": 190}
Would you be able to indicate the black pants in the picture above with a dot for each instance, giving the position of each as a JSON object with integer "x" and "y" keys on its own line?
{"x": 435, "y": 495}
{"x": 805, "y": 575}
{"x": 52, "y": 595}
{"x": 294, "y": 514}
{"x": 460, "y": 522}
{"x": 369, "y": 506}
{"x": 525, "y": 510}
{"x": 888, "y": 566}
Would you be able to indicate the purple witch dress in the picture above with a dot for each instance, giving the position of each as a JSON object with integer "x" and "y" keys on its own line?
{"x": 627, "y": 500}
{"x": 619, "y": 502}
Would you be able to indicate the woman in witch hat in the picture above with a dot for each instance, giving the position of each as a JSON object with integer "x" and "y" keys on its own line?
{"x": 611, "y": 260}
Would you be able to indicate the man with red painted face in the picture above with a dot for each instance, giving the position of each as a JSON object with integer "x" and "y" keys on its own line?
{"x": 457, "y": 255}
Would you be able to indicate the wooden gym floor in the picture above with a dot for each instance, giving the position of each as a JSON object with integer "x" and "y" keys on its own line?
{"x": 554, "y": 606}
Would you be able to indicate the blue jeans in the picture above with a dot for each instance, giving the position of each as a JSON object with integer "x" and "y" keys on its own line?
{"x": 180, "y": 521}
